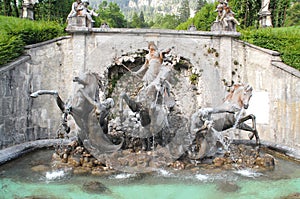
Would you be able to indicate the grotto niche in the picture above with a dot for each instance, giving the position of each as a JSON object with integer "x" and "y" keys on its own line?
{"x": 144, "y": 115}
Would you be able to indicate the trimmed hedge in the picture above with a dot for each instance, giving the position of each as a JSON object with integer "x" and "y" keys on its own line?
{"x": 16, "y": 33}
{"x": 10, "y": 48}
{"x": 286, "y": 41}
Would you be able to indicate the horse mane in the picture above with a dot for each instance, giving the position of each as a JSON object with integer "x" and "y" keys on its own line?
{"x": 98, "y": 78}
{"x": 232, "y": 90}
{"x": 245, "y": 87}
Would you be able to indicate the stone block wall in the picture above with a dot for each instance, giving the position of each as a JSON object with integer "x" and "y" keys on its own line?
{"x": 276, "y": 97}
{"x": 44, "y": 67}
{"x": 15, "y": 81}
{"x": 219, "y": 56}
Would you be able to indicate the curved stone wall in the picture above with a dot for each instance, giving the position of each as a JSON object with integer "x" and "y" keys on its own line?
{"x": 220, "y": 57}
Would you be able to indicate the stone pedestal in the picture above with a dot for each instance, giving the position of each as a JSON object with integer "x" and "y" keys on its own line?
{"x": 79, "y": 53}
{"x": 225, "y": 65}
{"x": 265, "y": 19}
{"x": 265, "y": 14}
{"x": 79, "y": 22}
{"x": 218, "y": 26}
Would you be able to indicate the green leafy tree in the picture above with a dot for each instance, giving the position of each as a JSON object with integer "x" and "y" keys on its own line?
{"x": 200, "y": 4}
{"x": 138, "y": 21}
{"x": 52, "y": 10}
{"x": 111, "y": 14}
{"x": 135, "y": 23}
{"x": 184, "y": 11}
{"x": 10, "y": 7}
{"x": 293, "y": 15}
{"x": 142, "y": 20}
{"x": 202, "y": 20}
{"x": 278, "y": 10}
{"x": 246, "y": 11}
{"x": 166, "y": 22}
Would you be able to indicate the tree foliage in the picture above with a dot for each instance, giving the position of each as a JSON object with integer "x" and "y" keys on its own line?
{"x": 278, "y": 10}
{"x": 142, "y": 19}
{"x": 111, "y": 14}
{"x": 203, "y": 18}
{"x": 138, "y": 21}
{"x": 52, "y": 10}
{"x": 135, "y": 21}
{"x": 200, "y": 4}
{"x": 246, "y": 12}
{"x": 166, "y": 21}
{"x": 10, "y": 7}
{"x": 293, "y": 15}
{"x": 184, "y": 11}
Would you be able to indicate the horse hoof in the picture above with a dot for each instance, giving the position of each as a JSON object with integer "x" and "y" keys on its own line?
{"x": 258, "y": 142}
{"x": 251, "y": 135}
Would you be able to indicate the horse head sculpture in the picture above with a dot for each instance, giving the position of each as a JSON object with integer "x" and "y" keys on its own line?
{"x": 206, "y": 122}
{"x": 239, "y": 95}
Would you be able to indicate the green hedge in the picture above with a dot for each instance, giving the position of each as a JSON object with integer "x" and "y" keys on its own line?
{"x": 16, "y": 33}
{"x": 10, "y": 48}
{"x": 284, "y": 40}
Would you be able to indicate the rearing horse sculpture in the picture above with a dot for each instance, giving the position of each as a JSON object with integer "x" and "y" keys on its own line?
{"x": 150, "y": 104}
{"x": 87, "y": 112}
{"x": 228, "y": 115}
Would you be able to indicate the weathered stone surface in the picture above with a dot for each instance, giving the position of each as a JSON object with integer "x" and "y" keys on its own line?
{"x": 236, "y": 61}
{"x": 16, "y": 151}
{"x": 95, "y": 187}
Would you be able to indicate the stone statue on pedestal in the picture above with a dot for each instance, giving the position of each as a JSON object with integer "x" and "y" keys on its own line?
{"x": 80, "y": 15}
{"x": 265, "y": 14}
{"x": 225, "y": 20}
{"x": 27, "y": 9}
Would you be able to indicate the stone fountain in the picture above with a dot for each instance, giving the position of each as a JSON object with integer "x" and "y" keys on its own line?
{"x": 147, "y": 118}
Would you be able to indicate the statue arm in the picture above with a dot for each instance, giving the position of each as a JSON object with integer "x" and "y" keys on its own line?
{"x": 74, "y": 7}
{"x": 223, "y": 15}
{"x": 162, "y": 53}
{"x": 143, "y": 68}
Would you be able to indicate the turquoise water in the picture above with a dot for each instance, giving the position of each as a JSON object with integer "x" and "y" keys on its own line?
{"x": 19, "y": 181}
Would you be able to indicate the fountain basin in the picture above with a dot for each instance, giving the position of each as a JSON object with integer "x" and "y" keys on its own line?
{"x": 34, "y": 176}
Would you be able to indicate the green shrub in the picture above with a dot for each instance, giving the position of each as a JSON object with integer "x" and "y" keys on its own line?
{"x": 284, "y": 40}
{"x": 202, "y": 20}
{"x": 16, "y": 33}
{"x": 10, "y": 48}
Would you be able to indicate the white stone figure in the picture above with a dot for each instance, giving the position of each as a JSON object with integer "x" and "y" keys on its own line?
{"x": 87, "y": 12}
{"x": 227, "y": 16}
{"x": 220, "y": 8}
{"x": 152, "y": 65}
{"x": 75, "y": 9}
{"x": 265, "y": 14}
{"x": 80, "y": 8}
{"x": 265, "y": 5}
{"x": 27, "y": 9}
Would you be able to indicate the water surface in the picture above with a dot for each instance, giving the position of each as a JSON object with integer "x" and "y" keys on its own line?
{"x": 19, "y": 181}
